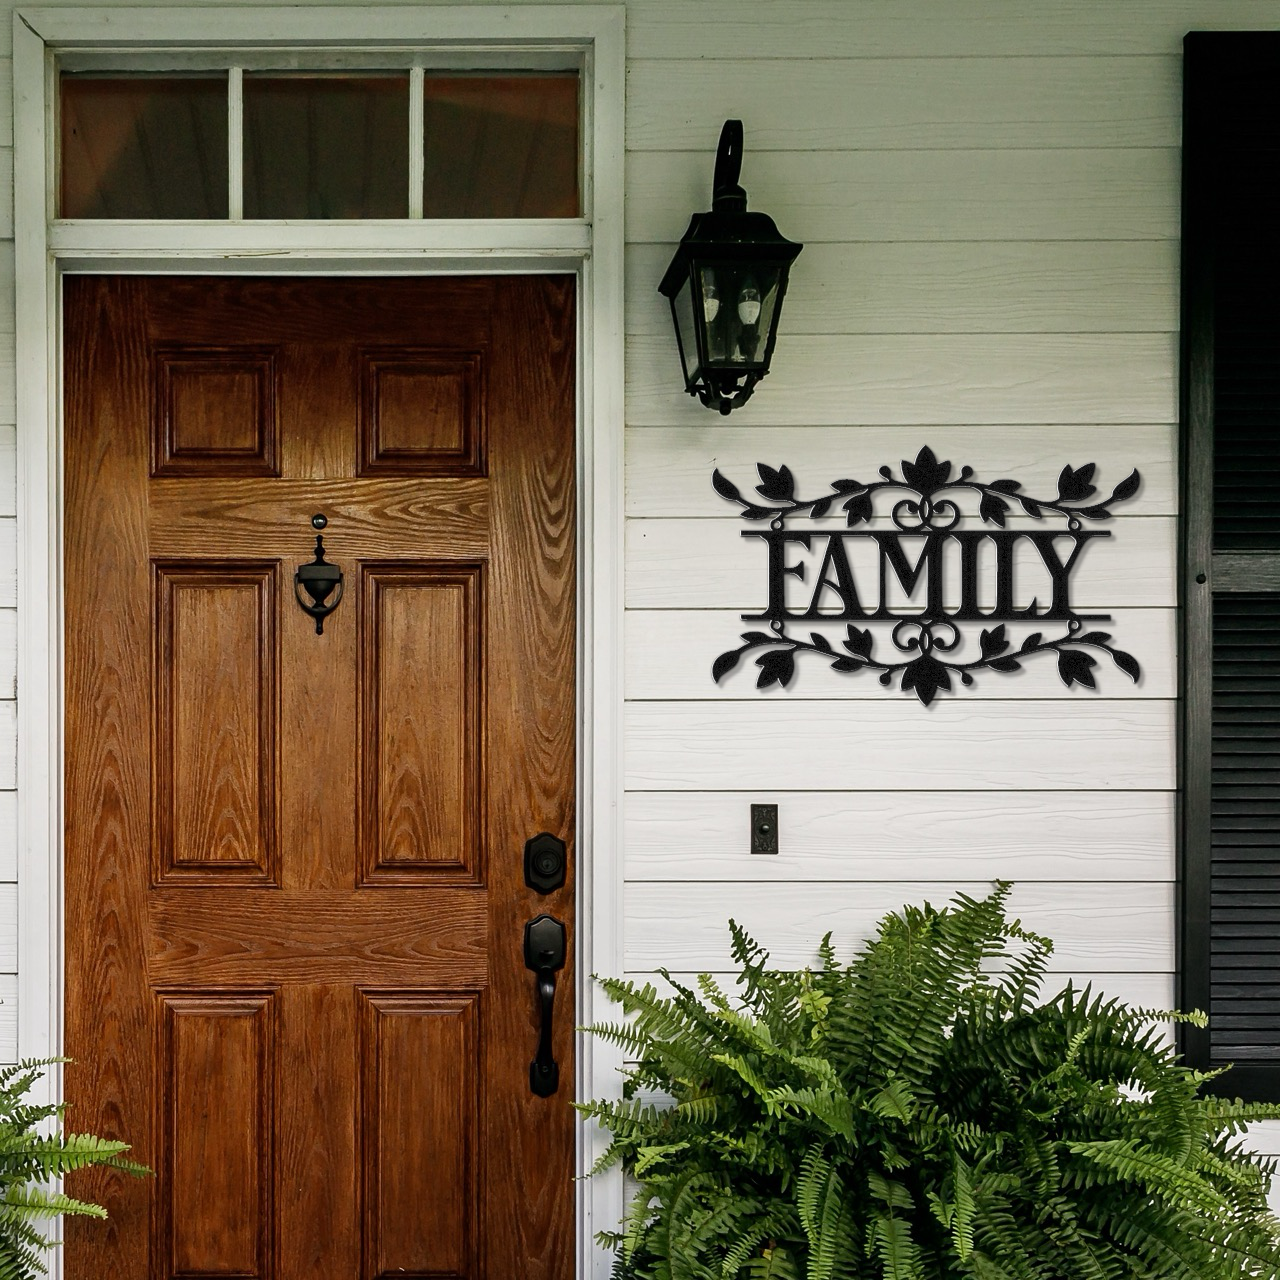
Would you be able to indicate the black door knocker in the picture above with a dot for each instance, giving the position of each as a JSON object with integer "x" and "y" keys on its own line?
{"x": 319, "y": 578}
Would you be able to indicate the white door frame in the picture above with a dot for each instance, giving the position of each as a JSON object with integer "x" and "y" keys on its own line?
{"x": 591, "y": 247}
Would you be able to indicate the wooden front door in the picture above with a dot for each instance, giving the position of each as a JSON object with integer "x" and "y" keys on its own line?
{"x": 295, "y": 892}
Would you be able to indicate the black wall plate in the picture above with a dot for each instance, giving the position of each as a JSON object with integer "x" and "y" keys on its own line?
{"x": 764, "y": 828}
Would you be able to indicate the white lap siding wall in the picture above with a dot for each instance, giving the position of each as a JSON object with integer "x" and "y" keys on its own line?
{"x": 988, "y": 192}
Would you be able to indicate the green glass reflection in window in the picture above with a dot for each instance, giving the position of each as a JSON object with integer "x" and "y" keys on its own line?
{"x": 143, "y": 146}
{"x": 501, "y": 146}
{"x": 326, "y": 146}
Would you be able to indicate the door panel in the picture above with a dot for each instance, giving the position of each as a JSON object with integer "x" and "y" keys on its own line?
{"x": 295, "y": 898}
{"x": 420, "y": 1108}
{"x": 422, "y": 778}
{"x": 215, "y": 1064}
{"x": 217, "y": 732}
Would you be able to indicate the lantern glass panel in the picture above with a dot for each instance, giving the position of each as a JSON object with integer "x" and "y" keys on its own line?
{"x": 739, "y": 301}
{"x": 686, "y": 331}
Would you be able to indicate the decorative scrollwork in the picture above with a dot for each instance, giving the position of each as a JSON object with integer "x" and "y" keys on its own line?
{"x": 926, "y": 477}
{"x": 927, "y": 641}
{"x": 925, "y": 674}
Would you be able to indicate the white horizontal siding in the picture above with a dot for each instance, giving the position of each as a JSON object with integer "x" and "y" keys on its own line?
{"x": 8, "y": 837}
{"x": 909, "y": 379}
{"x": 8, "y": 563}
{"x": 850, "y": 196}
{"x": 958, "y": 744}
{"x": 867, "y": 29}
{"x": 840, "y": 104}
{"x": 8, "y": 928}
{"x": 8, "y": 470}
{"x": 8, "y": 1017}
{"x": 669, "y": 468}
{"x": 884, "y": 836}
{"x": 8, "y": 654}
{"x": 8, "y": 763}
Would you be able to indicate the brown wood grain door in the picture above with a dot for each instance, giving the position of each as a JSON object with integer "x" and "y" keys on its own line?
{"x": 295, "y": 897}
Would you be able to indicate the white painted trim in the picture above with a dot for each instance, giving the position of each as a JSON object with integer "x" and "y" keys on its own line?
{"x": 600, "y": 550}
{"x": 569, "y": 239}
{"x": 235, "y": 143}
{"x": 592, "y": 246}
{"x": 417, "y": 143}
{"x": 568, "y": 26}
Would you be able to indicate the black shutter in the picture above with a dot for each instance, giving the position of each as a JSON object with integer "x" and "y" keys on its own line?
{"x": 1229, "y": 956}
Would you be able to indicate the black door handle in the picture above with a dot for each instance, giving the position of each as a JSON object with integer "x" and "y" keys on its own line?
{"x": 544, "y": 954}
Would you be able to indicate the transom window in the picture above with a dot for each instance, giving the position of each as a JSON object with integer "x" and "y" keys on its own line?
{"x": 242, "y": 143}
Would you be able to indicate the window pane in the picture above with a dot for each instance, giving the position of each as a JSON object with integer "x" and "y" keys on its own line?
{"x": 501, "y": 146}
{"x": 144, "y": 147}
{"x": 326, "y": 146}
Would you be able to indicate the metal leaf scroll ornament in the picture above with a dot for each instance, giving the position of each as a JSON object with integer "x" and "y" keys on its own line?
{"x": 927, "y": 512}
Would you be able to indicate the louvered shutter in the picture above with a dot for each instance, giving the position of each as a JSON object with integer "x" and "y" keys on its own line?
{"x": 1230, "y": 859}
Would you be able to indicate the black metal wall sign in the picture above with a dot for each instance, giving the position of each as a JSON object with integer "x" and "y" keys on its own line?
{"x": 944, "y": 576}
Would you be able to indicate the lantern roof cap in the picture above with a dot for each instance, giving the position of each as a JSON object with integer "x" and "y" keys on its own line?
{"x": 727, "y": 237}
{"x": 728, "y": 233}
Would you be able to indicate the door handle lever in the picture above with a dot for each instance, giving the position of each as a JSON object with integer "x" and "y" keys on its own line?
{"x": 544, "y": 945}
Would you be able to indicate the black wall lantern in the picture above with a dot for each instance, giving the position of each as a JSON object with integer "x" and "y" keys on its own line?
{"x": 726, "y": 285}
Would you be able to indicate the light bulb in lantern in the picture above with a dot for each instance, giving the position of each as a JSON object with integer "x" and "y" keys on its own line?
{"x": 710, "y": 299}
{"x": 749, "y": 304}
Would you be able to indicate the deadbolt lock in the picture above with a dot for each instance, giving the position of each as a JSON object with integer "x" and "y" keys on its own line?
{"x": 545, "y": 863}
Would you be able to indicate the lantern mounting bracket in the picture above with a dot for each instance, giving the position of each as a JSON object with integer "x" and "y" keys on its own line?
{"x": 726, "y": 194}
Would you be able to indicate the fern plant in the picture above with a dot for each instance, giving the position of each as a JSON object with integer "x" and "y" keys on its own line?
{"x": 923, "y": 1114}
{"x": 30, "y": 1159}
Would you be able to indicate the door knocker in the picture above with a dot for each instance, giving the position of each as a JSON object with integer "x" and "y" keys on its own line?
{"x": 319, "y": 578}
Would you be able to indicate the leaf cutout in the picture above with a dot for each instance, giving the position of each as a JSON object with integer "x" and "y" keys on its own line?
{"x": 1028, "y": 644}
{"x": 724, "y": 664}
{"x": 993, "y": 641}
{"x": 858, "y": 641}
{"x": 776, "y": 667}
{"x": 847, "y": 486}
{"x": 992, "y": 509}
{"x": 1031, "y": 508}
{"x": 1074, "y": 486}
{"x": 847, "y": 664}
{"x": 1127, "y": 487}
{"x": 1076, "y": 667}
{"x": 926, "y": 474}
{"x": 777, "y": 486}
{"x": 858, "y": 508}
{"x": 1006, "y": 486}
{"x": 925, "y": 677}
{"x": 725, "y": 488}
{"x": 820, "y": 509}
{"x": 1093, "y": 637}
{"x": 1127, "y": 663}
{"x": 821, "y": 642}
